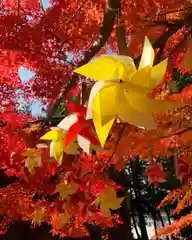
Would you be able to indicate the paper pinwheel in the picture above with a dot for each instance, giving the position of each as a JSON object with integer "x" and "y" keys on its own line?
{"x": 80, "y": 129}
{"x": 122, "y": 90}
{"x": 57, "y": 148}
{"x": 72, "y": 128}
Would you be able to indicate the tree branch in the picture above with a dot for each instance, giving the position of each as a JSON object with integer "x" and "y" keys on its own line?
{"x": 105, "y": 31}
{"x": 185, "y": 35}
{"x": 161, "y": 41}
{"x": 120, "y": 35}
{"x": 18, "y": 7}
{"x": 41, "y": 3}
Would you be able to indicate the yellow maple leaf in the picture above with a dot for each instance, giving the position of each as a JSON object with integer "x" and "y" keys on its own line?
{"x": 32, "y": 159}
{"x": 62, "y": 219}
{"x": 65, "y": 190}
{"x": 186, "y": 61}
{"x": 38, "y": 215}
{"x": 108, "y": 200}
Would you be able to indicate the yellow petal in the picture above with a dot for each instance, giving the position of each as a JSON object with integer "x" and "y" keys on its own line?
{"x": 148, "y": 55}
{"x": 132, "y": 116}
{"x": 72, "y": 149}
{"x": 142, "y": 79}
{"x": 145, "y": 104}
{"x": 101, "y": 130}
{"x": 129, "y": 67}
{"x": 53, "y": 135}
{"x": 95, "y": 89}
{"x": 104, "y": 103}
{"x": 58, "y": 151}
{"x": 157, "y": 73}
{"x": 124, "y": 59}
{"x": 103, "y": 68}
{"x": 138, "y": 119}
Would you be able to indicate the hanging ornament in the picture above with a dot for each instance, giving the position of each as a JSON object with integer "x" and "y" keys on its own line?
{"x": 121, "y": 90}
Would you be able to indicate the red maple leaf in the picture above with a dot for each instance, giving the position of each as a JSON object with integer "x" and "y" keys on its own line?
{"x": 171, "y": 142}
{"x": 155, "y": 173}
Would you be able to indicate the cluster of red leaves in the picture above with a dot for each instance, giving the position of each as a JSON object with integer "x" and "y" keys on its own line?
{"x": 11, "y": 146}
{"x": 33, "y": 191}
{"x": 175, "y": 228}
{"x": 40, "y": 41}
{"x": 138, "y": 18}
{"x": 173, "y": 135}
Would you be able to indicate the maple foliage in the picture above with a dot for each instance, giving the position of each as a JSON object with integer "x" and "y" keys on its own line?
{"x": 79, "y": 190}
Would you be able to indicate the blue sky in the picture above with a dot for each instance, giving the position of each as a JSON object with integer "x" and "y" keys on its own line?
{"x": 25, "y": 74}
{"x": 45, "y": 4}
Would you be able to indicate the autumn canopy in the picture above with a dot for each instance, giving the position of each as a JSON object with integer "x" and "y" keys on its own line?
{"x": 113, "y": 79}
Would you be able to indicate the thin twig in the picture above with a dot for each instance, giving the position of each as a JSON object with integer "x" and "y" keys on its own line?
{"x": 41, "y": 3}
{"x": 185, "y": 35}
{"x": 105, "y": 32}
{"x": 172, "y": 11}
{"x": 117, "y": 143}
{"x": 18, "y": 7}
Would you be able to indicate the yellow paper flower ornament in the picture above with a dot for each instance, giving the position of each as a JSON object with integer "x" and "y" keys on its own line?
{"x": 57, "y": 148}
{"x": 121, "y": 90}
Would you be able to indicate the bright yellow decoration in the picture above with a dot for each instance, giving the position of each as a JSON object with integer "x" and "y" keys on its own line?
{"x": 32, "y": 159}
{"x": 122, "y": 91}
{"x": 108, "y": 200}
{"x": 65, "y": 190}
{"x": 38, "y": 215}
{"x": 57, "y": 136}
